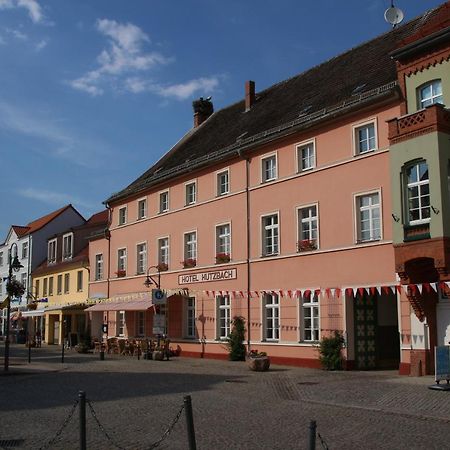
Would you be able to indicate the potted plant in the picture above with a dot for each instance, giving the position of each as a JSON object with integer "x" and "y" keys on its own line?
{"x": 258, "y": 361}
{"x": 15, "y": 288}
{"x": 190, "y": 262}
{"x": 222, "y": 258}
{"x": 121, "y": 273}
{"x": 162, "y": 267}
{"x": 306, "y": 245}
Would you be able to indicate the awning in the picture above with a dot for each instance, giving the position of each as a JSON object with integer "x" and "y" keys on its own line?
{"x": 132, "y": 305}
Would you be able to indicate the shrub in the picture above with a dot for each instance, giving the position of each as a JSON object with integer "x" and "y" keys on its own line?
{"x": 330, "y": 349}
{"x": 235, "y": 341}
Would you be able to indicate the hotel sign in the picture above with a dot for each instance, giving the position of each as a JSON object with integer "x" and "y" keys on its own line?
{"x": 205, "y": 277}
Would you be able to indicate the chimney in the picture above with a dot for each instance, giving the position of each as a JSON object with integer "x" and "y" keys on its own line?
{"x": 249, "y": 95}
{"x": 203, "y": 108}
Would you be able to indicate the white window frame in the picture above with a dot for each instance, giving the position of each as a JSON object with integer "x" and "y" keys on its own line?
{"x": 219, "y": 236}
{"x": 357, "y": 215}
{"x": 67, "y": 254}
{"x": 122, "y": 220}
{"x": 164, "y": 193}
{"x": 265, "y": 228}
{"x": 190, "y": 196}
{"x": 164, "y": 250}
{"x": 141, "y": 258}
{"x": 24, "y": 250}
{"x": 98, "y": 266}
{"x": 417, "y": 184}
{"x": 122, "y": 259}
{"x": 311, "y": 305}
{"x": 355, "y": 138}
{"x": 299, "y": 155}
{"x": 121, "y": 321}
{"x": 52, "y": 251}
{"x": 300, "y": 221}
{"x": 219, "y": 185}
{"x": 190, "y": 328}
{"x": 187, "y": 243}
{"x": 142, "y": 214}
{"x": 263, "y": 160}
{"x": 223, "y": 312}
{"x": 433, "y": 98}
{"x": 274, "y": 308}
{"x": 140, "y": 323}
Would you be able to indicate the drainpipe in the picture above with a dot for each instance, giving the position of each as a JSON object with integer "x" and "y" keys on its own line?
{"x": 247, "y": 200}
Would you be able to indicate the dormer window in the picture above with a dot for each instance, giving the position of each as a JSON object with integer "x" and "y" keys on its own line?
{"x": 430, "y": 93}
{"x": 51, "y": 254}
{"x": 68, "y": 246}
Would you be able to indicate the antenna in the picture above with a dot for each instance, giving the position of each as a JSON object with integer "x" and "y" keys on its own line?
{"x": 393, "y": 15}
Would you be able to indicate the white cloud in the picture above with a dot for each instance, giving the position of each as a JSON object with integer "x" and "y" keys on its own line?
{"x": 32, "y": 6}
{"x": 55, "y": 198}
{"x": 181, "y": 91}
{"x": 52, "y": 140}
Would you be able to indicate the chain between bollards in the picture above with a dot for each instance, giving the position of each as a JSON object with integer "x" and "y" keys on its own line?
{"x": 82, "y": 401}
{"x": 190, "y": 422}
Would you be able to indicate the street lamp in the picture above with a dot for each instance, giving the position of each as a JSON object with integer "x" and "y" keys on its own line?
{"x": 14, "y": 265}
{"x": 150, "y": 280}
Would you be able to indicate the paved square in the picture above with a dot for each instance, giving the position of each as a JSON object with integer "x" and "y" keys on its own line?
{"x": 234, "y": 408}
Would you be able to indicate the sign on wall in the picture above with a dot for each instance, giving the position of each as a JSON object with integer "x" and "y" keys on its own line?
{"x": 205, "y": 277}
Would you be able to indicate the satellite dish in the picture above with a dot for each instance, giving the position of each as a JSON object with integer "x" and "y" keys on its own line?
{"x": 393, "y": 15}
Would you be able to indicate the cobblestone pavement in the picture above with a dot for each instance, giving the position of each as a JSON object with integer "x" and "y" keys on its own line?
{"x": 135, "y": 401}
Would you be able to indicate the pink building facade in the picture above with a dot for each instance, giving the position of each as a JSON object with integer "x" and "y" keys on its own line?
{"x": 277, "y": 209}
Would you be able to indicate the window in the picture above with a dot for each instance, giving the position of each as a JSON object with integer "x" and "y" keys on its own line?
{"x": 365, "y": 138}
{"x": 191, "y": 193}
{"x": 368, "y": 217}
{"x": 269, "y": 168}
{"x": 306, "y": 156}
{"x": 307, "y": 228}
{"x": 418, "y": 193}
{"x": 141, "y": 253}
{"x": 190, "y": 249}
{"x": 430, "y": 93}
{"x": 223, "y": 243}
{"x": 121, "y": 262}
{"x": 270, "y": 235}
{"x": 223, "y": 316}
{"x": 66, "y": 283}
{"x": 163, "y": 252}
{"x": 123, "y": 215}
{"x": 99, "y": 266}
{"x": 121, "y": 323}
{"x": 190, "y": 317}
{"x": 24, "y": 280}
{"x": 271, "y": 317}
{"x": 45, "y": 287}
{"x": 142, "y": 209}
{"x": 80, "y": 281}
{"x": 50, "y": 286}
{"x": 140, "y": 328}
{"x": 51, "y": 256}
{"x": 223, "y": 183}
{"x": 59, "y": 285}
{"x": 164, "y": 201}
{"x": 310, "y": 313}
{"x": 37, "y": 288}
{"x": 25, "y": 250}
{"x": 68, "y": 246}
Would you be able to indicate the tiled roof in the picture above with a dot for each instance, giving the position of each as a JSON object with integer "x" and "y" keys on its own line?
{"x": 358, "y": 75}
{"x": 20, "y": 231}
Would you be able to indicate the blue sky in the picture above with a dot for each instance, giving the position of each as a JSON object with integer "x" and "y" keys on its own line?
{"x": 92, "y": 92}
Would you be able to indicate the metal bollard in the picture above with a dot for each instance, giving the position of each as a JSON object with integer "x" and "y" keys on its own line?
{"x": 82, "y": 399}
{"x": 190, "y": 422}
{"x": 312, "y": 435}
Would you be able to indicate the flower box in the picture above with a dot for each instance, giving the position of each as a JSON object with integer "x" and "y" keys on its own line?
{"x": 187, "y": 263}
{"x": 121, "y": 273}
{"x": 222, "y": 258}
{"x": 307, "y": 245}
